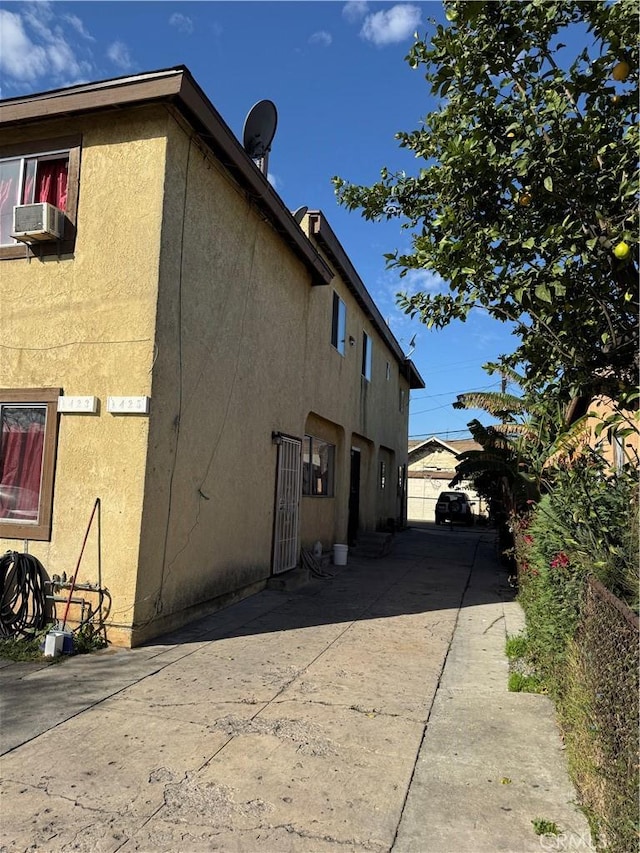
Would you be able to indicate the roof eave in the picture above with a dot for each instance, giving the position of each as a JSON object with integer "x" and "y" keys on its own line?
{"x": 326, "y": 238}
{"x": 176, "y": 87}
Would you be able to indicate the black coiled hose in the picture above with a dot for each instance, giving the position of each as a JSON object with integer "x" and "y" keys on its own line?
{"x": 22, "y": 595}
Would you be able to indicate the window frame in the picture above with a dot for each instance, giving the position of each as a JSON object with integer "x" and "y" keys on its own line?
{"x": 338, "y": 323}
{"x": 309, "y": 484}
{"x": 25, "y": 150}
{"x": 47, "y": 397}
{"x": 367, "y": 356}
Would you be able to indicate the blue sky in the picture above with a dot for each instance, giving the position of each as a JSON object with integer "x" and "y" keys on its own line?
{"x": 337, "y": 75}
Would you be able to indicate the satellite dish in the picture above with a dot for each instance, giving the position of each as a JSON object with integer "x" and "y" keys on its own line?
{"x": 258, "y": 132}
{"x": 298, "y": 214}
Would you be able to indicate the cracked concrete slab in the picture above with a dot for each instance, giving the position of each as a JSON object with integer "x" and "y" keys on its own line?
{"x": 325, "y": 772}
{"x": 315, "y": 721}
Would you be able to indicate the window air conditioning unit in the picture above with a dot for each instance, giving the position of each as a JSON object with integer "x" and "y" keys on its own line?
{"x": 36, "y": 223}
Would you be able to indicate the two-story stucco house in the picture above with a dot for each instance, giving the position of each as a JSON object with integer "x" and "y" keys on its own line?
{"x": 177, "y": 345}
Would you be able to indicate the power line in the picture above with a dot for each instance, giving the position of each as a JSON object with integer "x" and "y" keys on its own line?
{"x": 443, "y": 433}
{"x": 452, "y": 393}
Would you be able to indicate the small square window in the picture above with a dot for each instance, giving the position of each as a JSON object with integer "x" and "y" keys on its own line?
{"x": 28, "y": 436}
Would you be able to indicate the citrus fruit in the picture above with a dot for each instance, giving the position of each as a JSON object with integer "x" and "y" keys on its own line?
{"x": 621, "y": 71}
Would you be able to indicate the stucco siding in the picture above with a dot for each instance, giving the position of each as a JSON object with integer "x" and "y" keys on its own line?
{"x": 85, "y": 323}
{"x": 230, "y": 332}
{"x": 185, "y": 287}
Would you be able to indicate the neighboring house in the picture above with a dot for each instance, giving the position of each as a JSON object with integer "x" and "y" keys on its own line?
{"x": 213, "y": 371}
{"x": 432, "y": 464}
{"x": 598, "y": 424}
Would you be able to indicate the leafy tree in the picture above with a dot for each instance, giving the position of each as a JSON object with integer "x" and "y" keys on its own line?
{"x": 526, "y": 199}
{"x": 511, "y": 464}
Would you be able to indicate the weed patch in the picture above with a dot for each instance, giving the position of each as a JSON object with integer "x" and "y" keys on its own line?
{"x": 521, "y": 683}
{"x": 545, "y": 827}
{"x": 23, "y": 649}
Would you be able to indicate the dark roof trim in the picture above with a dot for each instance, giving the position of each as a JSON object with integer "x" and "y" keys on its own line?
{"x": 326, "y": 238}
{"x": 454, "y": 445}
{"x": 176, "y": 87}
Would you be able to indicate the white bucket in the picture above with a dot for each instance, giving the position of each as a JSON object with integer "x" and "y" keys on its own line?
{"x": 53, "y": 644}
{"x": 340, "y": 555}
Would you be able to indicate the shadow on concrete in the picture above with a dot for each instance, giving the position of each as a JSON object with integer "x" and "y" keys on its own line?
{"x": 428, "y": 568}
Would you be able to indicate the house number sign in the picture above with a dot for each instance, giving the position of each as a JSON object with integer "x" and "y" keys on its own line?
{"x": 78, "y": 404}
{"x": 128, "y": 405}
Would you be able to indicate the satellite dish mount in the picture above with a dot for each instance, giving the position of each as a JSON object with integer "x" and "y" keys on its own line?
{"x": 258, "y": 132}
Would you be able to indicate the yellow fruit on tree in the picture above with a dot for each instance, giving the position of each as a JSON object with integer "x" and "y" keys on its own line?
{"x": 621, "y": 71}
{"x": 622, "y": 250}
{"x": 524, "y": 199}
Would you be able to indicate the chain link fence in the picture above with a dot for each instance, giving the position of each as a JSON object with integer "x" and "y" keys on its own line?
{"x": 600, "y": 716}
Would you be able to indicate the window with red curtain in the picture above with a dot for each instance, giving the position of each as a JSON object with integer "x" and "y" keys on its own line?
{"x": 21, "y": 450}
{"x": 28, "y": 449}
{"x": 25, "y": 180}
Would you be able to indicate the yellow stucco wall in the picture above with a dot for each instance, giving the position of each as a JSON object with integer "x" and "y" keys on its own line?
{"x": 243, "y": 349}
{"x": 179, "y": 289}
{"x": 86, "y": 324}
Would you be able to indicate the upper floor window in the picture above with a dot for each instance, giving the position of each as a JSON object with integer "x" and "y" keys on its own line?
{"x": 339, "y": 324}
{"x": 366, "y": 356}
{"x": 317, "y": 467}
{"x": 42, "y": 172}
{"x": 28, "y": 435}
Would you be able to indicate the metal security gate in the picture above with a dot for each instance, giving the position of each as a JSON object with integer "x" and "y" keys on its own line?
{"x": 286, "y": 526}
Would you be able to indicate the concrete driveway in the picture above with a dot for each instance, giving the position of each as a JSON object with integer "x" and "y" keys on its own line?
{"x": 367, "y": 711}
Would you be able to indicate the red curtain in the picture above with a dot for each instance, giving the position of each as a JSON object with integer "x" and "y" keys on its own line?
{"x": 21, "y": 471}
{"x": 51, "y": 182}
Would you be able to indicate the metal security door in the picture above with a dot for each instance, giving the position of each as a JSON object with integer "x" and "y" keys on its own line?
{"x": 286, "y": 527}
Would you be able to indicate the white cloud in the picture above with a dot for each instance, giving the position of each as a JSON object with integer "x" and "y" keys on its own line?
{"x": 322, "y": 37}
{"x": 118, "y": 53}
{"x": 78, "y": 26}
{"x": 273, "y": 180}
{"x": 181, "y": 22}
{"x": 394, "y": 25}
{"x": 417, "y": 281}
{"x": 33, "y": 50}
{"x": 20, "y": 58}
{"x": 355, "y": 10}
